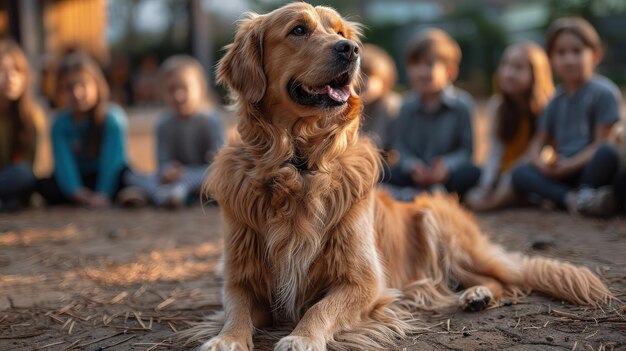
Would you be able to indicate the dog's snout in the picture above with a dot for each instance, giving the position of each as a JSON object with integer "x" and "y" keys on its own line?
{"x": 347, "y": 49}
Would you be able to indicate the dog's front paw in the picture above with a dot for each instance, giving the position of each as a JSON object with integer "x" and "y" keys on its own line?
{"x": 476, "y": 298}
{"x": 300, "y": 343}
{"x": 224, "y": 343}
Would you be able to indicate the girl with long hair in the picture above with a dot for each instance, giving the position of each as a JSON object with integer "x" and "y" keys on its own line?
{"x": 88, "y": 138}
{"x": 524, "y": 86}
{"x": 22, "y": 124}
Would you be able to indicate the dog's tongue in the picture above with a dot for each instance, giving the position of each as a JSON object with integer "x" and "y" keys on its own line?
{"x": 338, "y": 94}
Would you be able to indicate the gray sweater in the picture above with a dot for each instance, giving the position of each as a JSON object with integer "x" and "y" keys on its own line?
{"x": 192, "y": 141}
{"x": 570, "y": 120}
{"x": 420, "y": 136}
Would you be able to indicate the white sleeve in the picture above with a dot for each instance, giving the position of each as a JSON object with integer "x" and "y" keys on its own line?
{"x": 491, "y": 168}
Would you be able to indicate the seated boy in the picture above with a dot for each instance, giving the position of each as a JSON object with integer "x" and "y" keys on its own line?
{"x": 433, "y": 132}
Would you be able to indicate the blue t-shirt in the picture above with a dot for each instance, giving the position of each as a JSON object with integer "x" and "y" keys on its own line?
{"x": 570, "y": 120}
{"x": 72, "y": 162}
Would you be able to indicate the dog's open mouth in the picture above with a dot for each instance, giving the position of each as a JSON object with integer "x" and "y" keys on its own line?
{"x": 332, "y": 94}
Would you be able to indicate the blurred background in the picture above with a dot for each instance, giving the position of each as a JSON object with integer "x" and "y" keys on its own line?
{"x": 131, "y": 37}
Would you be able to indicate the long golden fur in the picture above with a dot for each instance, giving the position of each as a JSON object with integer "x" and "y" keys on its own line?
{"x": 307, "y": 237}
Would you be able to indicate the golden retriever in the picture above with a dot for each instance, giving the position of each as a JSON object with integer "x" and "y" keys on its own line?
{"x": 306, "y": 235}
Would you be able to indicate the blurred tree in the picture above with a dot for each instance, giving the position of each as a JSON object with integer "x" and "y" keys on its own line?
{"x": 345, "y": 7}
{"x": 130, "y": 22}
{"x": 482, "y": 39}
{"x": 589, "y": 9}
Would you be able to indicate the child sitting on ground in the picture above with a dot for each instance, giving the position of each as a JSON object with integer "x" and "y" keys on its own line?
{"x": 188, "y": 135}
{"x": 380, "y": 102}
{"x": 577, "y": 122}
{"x": 433, "y": 132}
{"x": 88, "y": 138}
{"x": 22, "y": 124}
{"x": 524, "y": 81}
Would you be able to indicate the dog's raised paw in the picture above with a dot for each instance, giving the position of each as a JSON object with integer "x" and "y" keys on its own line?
{"x": 475, "y": 298}
{"x": 224, "y": 343}
{"x": 300, "y": 343}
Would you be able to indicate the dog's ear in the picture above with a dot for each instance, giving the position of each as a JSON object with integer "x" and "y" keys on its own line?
{"x": 241, "y": 69}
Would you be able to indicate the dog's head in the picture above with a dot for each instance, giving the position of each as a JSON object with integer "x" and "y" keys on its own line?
{"x": 298, "y": 59}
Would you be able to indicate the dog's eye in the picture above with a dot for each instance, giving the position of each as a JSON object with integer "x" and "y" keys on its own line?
{"x": 298, "y": 31}
{"x": 341, "y": 33}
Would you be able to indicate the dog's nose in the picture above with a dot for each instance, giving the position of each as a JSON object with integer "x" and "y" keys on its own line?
{"x": 347, "y": 49}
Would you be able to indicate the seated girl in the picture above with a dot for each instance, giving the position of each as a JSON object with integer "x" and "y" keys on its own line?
{"x": 22, "y": 124}
{"x": 524, "y": 80}
{"x": 88, "y": 138}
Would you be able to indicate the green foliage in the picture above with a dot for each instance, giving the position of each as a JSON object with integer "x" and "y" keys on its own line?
{"x": 345, "y": 7}
{"x": 588, "y": 9}
{"x": 482, "y": 48}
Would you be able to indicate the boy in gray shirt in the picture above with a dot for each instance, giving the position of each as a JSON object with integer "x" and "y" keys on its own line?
{"x": 577, "y": 123}
{"x": 432, "y": 135}
{"x": 572, "y": 123}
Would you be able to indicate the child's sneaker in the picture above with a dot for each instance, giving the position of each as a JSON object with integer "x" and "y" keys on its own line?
{"x": 170, "y": 196}
{"x": 132, "y": 196}
{"x": 598, "y": 202}
{"x": 177, "y": 197}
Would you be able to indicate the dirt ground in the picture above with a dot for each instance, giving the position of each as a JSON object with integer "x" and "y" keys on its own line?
{"x": 73, "y": 279}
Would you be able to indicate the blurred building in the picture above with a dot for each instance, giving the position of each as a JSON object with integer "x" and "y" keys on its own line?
{"x": 52, "y": 27}
{"x": 127, "y": 37}
{"x": 76, "y": 24}
{"x": 47, "y": 29}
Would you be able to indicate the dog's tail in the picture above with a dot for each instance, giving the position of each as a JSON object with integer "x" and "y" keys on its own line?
{"x": 563, "y": 280}
{"x": 516, "y": 271}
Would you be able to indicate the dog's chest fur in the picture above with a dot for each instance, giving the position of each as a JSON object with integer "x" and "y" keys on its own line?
{"x": 294, "y": 213}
